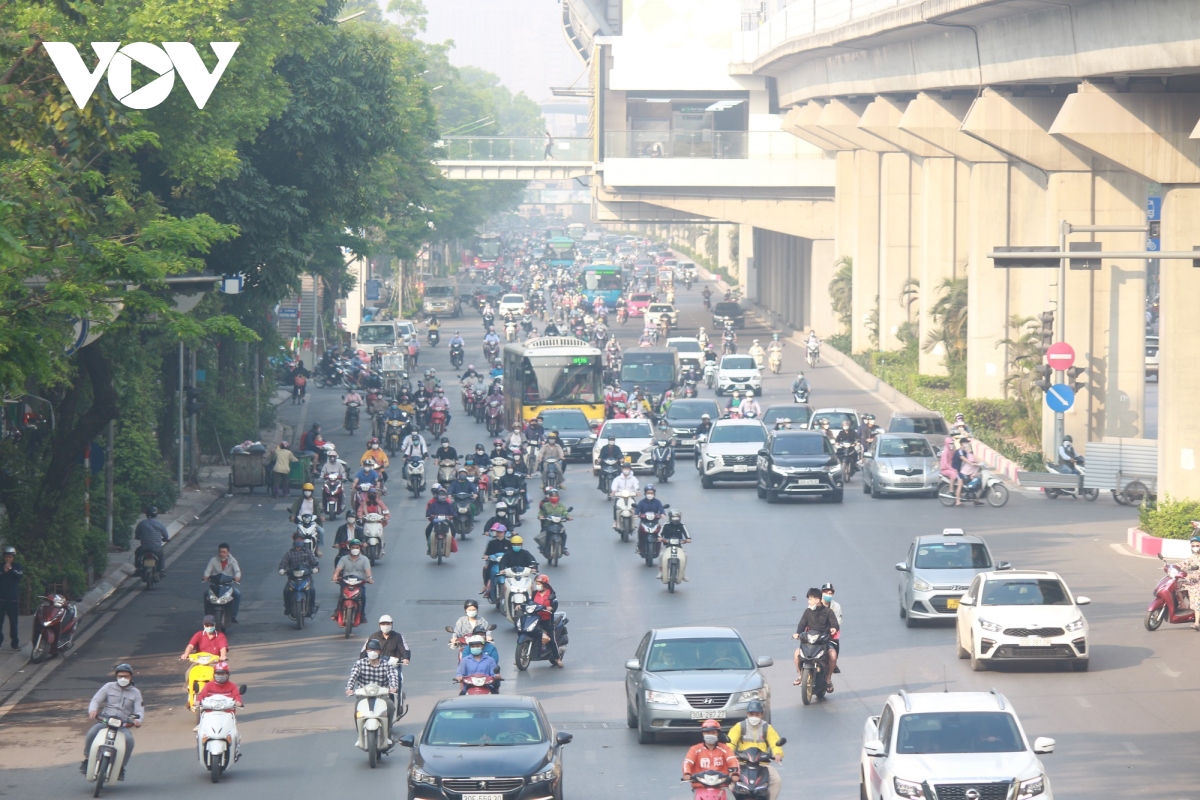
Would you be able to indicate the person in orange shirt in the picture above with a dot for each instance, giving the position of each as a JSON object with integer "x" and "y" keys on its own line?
{"x": 710, "y": 754}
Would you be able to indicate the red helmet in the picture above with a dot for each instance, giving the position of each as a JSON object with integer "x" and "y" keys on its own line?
{"x": 542, "y": 579}
{"x": 710, "y": 723}
{"x": 221, "y": 666}
{"x": 372, "y": 442}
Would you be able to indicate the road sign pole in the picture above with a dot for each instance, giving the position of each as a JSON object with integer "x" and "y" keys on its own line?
{"x": 1060, "y": 323}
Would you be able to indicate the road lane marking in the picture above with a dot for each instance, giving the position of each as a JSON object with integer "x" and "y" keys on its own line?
{"x": 1122, "y": 550}
{"x": 1165, "y": 670}
{"x": 1083, "y": 702}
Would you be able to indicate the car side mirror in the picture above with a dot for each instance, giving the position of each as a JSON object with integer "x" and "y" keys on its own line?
{"x": 1043, "y": 745}
{"x": 765, "y": 661}
{"x": 763, "y": 453}
{"x": 563, "y": 738}
{"x": 1082, "y": 601}
{"x": 407, "y": 740}
{"x": 449, "y": 629}
{"x": 633, "y": 663}
{"x": 868, "y": 454}
{"x": 1004, "y": 565}
{"x": 902, "y": 567}
{"x": 702, "y": 438}
{"x": 966, "y": 601}
{"x": 873, "y": 748}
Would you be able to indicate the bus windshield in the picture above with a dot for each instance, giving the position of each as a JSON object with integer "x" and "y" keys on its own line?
{"x": 377, "y": 334}
{"x": 661, "y": 372}
{"x": 560, "y": 379}
{"x": 602, "y": 280}
{"x": 488, "y": 248}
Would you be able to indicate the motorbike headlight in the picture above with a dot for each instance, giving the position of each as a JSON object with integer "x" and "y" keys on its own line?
{"x": 1077, "y": 625}
{"x": 922, "y": 585}
{"x": 989, "y": 626}
{"x": 754, "y": 694}
{"x": 419, "y": 775}
{"x": 907, "y": 788}
{"x": 662, "y": 698}
{"x": 543, "y": 776}
{"x": 1032, "y": 787}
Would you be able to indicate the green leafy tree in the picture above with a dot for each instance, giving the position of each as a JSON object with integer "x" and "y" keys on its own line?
{"x": 949, "y": 315}
{"x": 841, "y": 292}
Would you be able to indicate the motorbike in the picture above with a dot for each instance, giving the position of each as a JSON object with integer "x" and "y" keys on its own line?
{"x": 54, "y": 625}
{"x": 813, "y": 665}
{"x": 624, "y": 508}
{"x": 456, "y": 356}
{"x": 440, "y": 539}
{"x": 200, "y": 673}
{"x": 107, "y": 753}
{"x": 510, "y": 331}
{"x": 532, "y": 642}
{"x": 333, "y": 496}
{"x": 216, "y": 742}
{"x": 217, "y": 598}
{"x": 728, "y": 346}
{"x": 464, "y": 514}
{"x": 649, "y": 532}
{"x": 664, "y": 464}
{"x": 433, "y": 337}
{"x": 527, "y": 323}
{"x": 1078, "y": 491}
{"x": 491, "y": 351}
{"x": 553, "y": 532}
{"x": 495, "y": 416}
{"x": 800, "y": 396}
{"x": 349, "y": 610}
{"x": 298, "y": 584}
{"x": 984, "y": 486}
{"x": 673, "y": 563}
{"x": 306, "y": 526}
{"x": 812, "y": 354}
{"x": 351, "y": 421}
{"x": 393, "y": 435}
{"x": 148, "y": 568}
{"x": 708, "y": 302}
{"x": 847, "y": 456}
{"x": 372, "y": 536}
{"x": 1172, "y": 601}
{"x": 416, "y": 475}
{"x": 609, "y": 468}
{"x": 622, "y": 315}
{"x": 481, "y": 684}
{"x": 518, "y": 588}
{"x": 754, "y": 779}
{"x": 690, "y": 388}
{"x": 551, "y": 474}
{"x": 515, "y": 499}
{"x": 775, "y": 361}
{"x": 437, "y": 422}
{"x": 421, "y": 412}
{"x": 710, "y": 374}
{"x": 447, "y": 469}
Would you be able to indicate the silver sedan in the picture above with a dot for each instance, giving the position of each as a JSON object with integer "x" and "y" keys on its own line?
{"x": 900, "y": 463}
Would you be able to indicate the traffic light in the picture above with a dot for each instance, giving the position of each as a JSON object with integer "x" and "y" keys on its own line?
{"x": 195, "y": 404}
{"x": 1043, "y": 372}
{"x": 1073, "y": 379}
{"x": 1047, "y": 319}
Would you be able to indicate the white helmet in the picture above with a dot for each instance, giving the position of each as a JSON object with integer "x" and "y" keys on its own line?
{"x": 385, "y": 618}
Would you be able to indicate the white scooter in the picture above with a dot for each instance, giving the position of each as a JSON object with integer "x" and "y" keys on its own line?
{"x": 372, "y": 535}
{"x": 218, "y": 744}
{"x": 107, "y": 753}
{"x": 672, "y": 563}
{"x": 624, "y": 508}
{"x": 710, "y": 374}
{"x": 518, "y": 588}
{"x": 374, "y": 724}
{"x": 775, "y": 360}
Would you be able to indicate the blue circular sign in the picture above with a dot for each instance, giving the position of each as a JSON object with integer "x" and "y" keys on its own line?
{"x": 1060, "y": 397}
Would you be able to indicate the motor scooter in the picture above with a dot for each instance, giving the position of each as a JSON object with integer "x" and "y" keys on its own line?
{"x": 1076, "y": 491}
{"x": 447, "y": 469}
{"x": 218, "y": 744}
{"x": 107, "y": 752}
{"x": 349, "y": 610}
{"x": 532, "y": 641}
{"x": 351, "y": 421}
{"x": 663, "y": 460}
{"x": 333, "y": 496}
{"x": 551, "y": 474}
{"x": 775, "y": 360}
{"x": 624, "y": 510}
{"x": 393, "y": 435}
{"x": 480, "y": 684}
{"x": 983, "y": 486}
{"x": 54, "y": 625}
{"x": 217, "y": 598}
{"x": 609, "y": 468}
{"x": 298, "y": 585}
{"x": 306, "y": 526}
{"x": 464, "y": 513}
{"x": 440, "y": 539}
{"x": 495, "y": 580}
{"x": 1172, "y": 601}
{"x": 373, "y": 721}
{"x": 518, "y": 588}
{"x": 437, "y": 422}
{"x": 800, "y": 396}
{"x": 495, "y": 416}
{"x": 754, "y": 778}
{"x": 200, "y": 673}
{"x": 711, "y": 786}
{"x": 372, "y": 536}
{"x": 456, "y": 356}
{"x": 813, "y": 665}
{"x": 416, "y": 475}
{"x": 649, "y": 532}
{"x": 434, "y": 336}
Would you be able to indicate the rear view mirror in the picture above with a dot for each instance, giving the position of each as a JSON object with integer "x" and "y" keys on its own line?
{"x": 873, "y": 748}
{"x": 965, "y": 601}
{"x": 407, "y": 740}
{"x": 633, "y": 663}
{"x": 563, "y": 738}
{"x": 243, "y": 688}
{"x": 492, "y": 627}
{"x": 763, "y": 453}
{"x": 449, "y": 629}
{"x": 1004, "y": 565}
{"x": 570, "y": 508}
{"x": 1043, "y": 745}
{"x": 1082, "y": 601}
{"x": 902, "y": 567}
{"x": 765, "y": 661}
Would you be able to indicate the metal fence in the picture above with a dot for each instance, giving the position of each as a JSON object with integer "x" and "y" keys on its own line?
{"x": 704, "y": 144}
{"x": 513, "y": 148}
{"x": 803, "y": 18}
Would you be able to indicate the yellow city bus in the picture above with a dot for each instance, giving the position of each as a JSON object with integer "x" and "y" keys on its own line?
{"x": 553, "y": 372}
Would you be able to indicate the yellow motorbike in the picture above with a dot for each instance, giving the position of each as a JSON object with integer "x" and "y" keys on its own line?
{"x": 200, "y": 673}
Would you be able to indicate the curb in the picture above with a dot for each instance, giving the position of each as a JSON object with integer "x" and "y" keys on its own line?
{"x": 1141, "y": 542}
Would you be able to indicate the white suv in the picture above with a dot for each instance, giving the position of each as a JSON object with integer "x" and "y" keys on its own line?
{"x": 1025, "y": 615}
{"x": 740, "y": 373}
{"x": 730, "y": 451}
{"x": 951, "y": 745}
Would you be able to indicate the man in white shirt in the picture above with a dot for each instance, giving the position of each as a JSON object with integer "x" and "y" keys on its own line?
{"x": 413, "y": 446}
{"x": 625, "y": 482}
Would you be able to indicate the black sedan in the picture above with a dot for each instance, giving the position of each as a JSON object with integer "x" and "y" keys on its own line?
{"x": 728, "y": 312}
{"x": 799, "y": 464}
{"x": 574, "y": 432}
{"x": 486, "y": 747}
{"x": 684, "y": 416}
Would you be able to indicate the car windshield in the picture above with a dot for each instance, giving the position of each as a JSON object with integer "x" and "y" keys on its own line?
{"x": 685, "y": 346}
{"x": 917, "y": 425}
{"x": 512, "y": 298}
{"x": 692, "y": 409}
{"x": 376, "y": 334}
{"x": 958, "y": 732}
{"x": 727, "y": 309}
{"x": 658, "y": 308}
{"x": 439, "y": 291}
{"x": 603, "y": 280}
{"x": 1025, "y": 592}
{"x": 835, "y": 418}
{"x": 738, "y": 362}
{"x": 675, "y": 655}
{"x": 814, "y": 445}
{"x": 904, "y": 448}
{"x": 568, "y": 419}
{"x": 953, "y": 555}
{"x": 483, "y": 727}
{"x": 641, "y": 298}
{"x": 628, "y": 430}
{"x": 654, "y": 372}
{"x": 798, "y": 415}
{"x": 737, "y": 434}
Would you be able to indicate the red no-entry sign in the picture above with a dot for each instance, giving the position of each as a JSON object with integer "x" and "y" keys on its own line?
{"x": 1060, "y": 356}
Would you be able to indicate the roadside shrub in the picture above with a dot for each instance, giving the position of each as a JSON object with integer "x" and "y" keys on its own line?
{"x": 1169, "y": 519}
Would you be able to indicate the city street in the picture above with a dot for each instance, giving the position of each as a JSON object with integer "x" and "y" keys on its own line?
{"x": 1122, "y": 729}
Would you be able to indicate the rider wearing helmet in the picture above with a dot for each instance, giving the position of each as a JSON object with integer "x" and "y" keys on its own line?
{"x": 497, "y": 533}
{"x": 439, "y": 506}
{"x": 373, "y": 668}
{"x": 711, "y": 754}
{"x": 299, "y": 556}
{"x": 547, "y": 601}
{"x": 552, "y": 507}
{"x": 375, "y": 453}
{"x": 476, "y": 662}
{"x": 1067, "y": 457}
{"x": 440, "y": 403}
{"x": 223, "y": 686}
{"x": 445, "y": 452}
{"x": 517, "y": 556}
{"x": 823, "y": 424}
{"x": 153, "y": 534}
{"x": 612, "y": 452}
{"x": 755, "y": 733}
{"x": 801, "y": 385}
{"x": 355, "y": 565}
{"x": 306, "y": 504}
{"x": 466, "y": 624}
{"x": 705, "y": 426}
{"x": 395, "y": 646}
{"x": 674, "y": 529}
{"x": 117, "y": 698}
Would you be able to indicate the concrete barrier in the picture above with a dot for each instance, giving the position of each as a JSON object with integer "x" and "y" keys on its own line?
{"x": 1141, "y": 542}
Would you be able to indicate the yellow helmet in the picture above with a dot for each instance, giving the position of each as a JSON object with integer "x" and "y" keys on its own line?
{"x": 308, "y": 487}
{"x": 516, "y": 540}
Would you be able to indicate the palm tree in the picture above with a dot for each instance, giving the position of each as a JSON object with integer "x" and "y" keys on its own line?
{"x": 841, "y": 291}
{"x": 949, "y": 315}
{"x": 1025, "y": 354}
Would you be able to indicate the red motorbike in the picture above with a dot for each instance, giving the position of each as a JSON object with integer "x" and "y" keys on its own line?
{"x": 349, "y": 610}
{"x": 495, "y": 417}
{"x": 333, "y": 496}
{"x": 479, "y": 684}
{"x": 54, "y": 626}
{"x": 437, "y": 422}
{"x": 1169, "y": 596}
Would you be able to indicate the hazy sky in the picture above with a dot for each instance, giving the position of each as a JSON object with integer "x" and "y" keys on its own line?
{"x": 522, "y": 41}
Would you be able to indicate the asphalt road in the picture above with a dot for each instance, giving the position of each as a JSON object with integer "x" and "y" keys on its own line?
{"x": 1122, "y": 729}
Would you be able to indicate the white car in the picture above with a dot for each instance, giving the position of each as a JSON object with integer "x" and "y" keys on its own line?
{"x": 730, "y": 451}
{"x": 738, "y": 372}
{"x": 655, "y": 311}
{"x": 1025, "y": 615}
{"x": 635, "y": 437}
{"x": 835, "y": 417}
{"x": 511, "y": 302}
{"x": 966, "y": 745}
{"x": 406, "y": 328}
{"x": 689, "y": 349}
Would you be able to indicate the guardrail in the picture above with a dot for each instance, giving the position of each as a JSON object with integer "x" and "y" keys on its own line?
{"x": 705, "y": 144}
{"x": 803, "y": 18}
{"x": 513, "y": 148}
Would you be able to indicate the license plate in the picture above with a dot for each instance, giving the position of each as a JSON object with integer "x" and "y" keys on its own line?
{"x": 952, "y": 603}
{"x": 740, "y": 468}
{"x": 687, "y": 442}
{"x": 1034, "y": 641}
{"x": 708, "y": 715}
{"x": 483, "y": 797}
{"x": 809, "y": 481}
{"x": 628, "y": 459}
{"x": 909, "y": 481}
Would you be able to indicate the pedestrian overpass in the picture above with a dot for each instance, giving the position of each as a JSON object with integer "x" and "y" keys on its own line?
{"x": 515, "y": 158}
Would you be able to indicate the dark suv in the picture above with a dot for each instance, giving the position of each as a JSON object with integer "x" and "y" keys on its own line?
{"x": 728, "y": 312}
{"x": 798, "y": 464}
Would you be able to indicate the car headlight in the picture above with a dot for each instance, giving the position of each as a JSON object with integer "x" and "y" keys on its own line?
{"x": 588, "y": 440}
{"x": 1077, "y": 625}
{"x": 836, "y": 469}
{"x": 780, "y": 470}
{"x": 754, "y": 694}
{"x": 907, "y": 788}
{"x": 921, "y": 585}
{"x": 989, "y": 626}
{"x": 419, "y": 775}
{"x": 543, "y": 776}
{"x": 646, "y": 451}
{"x": 662, "y": 698}
{"x": 882, "y": 468}
{"x": 1032, "y": 787}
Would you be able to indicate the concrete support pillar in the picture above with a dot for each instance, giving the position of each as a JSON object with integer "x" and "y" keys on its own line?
{"x": 895, "y": 246}
{"x": 987, "y": 286}
{"x": 747, "y": 268}
{"x": 819, "y": 316}
{"x": 725, "y": 247}
{"x": 1179, "y": 380}
{"x": 865, "y": 247}
{"x": 939, "y": 252}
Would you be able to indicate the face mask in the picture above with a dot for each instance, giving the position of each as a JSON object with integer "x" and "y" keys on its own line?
{"x": 754, "y": 722}
{"x": 307, "y": 493}
{"x": 471, "y": 612}
{"x": 475, "y": 651}
{"x": 355, "y": 551}
{"x": 373, "y": 655}
{"x": 516, "y": 548}
{"x": 298, "y": 545}
{"x": 123, "y": 682}
{"x": 210, "y": 630}
{"x": 220, "y": 678}
{"x": 828, "y": 598}
{"x": 385, "y": 628}
{"x": 710, "y": 739}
